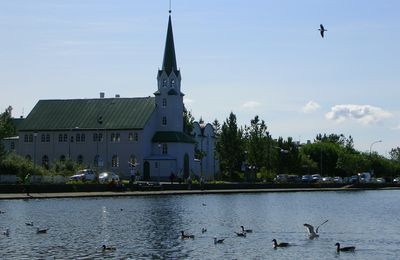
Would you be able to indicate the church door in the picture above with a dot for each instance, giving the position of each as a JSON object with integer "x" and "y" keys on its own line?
{"x": 185, "y": 166}
{"x": 146, "y": 171}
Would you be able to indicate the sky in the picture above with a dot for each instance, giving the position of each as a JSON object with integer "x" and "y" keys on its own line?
{"x": 257, "y": 57}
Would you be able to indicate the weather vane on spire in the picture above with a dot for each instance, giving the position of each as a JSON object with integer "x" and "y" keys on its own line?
{"x": 169, "y": 6}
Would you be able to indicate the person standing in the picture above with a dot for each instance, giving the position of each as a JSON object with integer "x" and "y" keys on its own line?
{"x": 172, "y": 177}
{"x": 27, "y": 183}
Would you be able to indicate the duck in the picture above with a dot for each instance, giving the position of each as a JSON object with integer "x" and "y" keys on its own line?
{"x": 344, "y": 249}
{"x": 186, "y": 236}
{"x": 2, "y": 212}
{"x": 108, "y": 248}
{"x": 203, "y": 230}
{"x": 311, "y": 233}
{"x": 322, "y": 30}
{"x": 6, "y": 232}
{"x": 241, "y": 234}
{"x": 246, "y": 230}
{"x": 29, "y": 223}
{"x": 41, "y": 230}
{"x": 218, "y": 241}
{"x": 276, "y": 244}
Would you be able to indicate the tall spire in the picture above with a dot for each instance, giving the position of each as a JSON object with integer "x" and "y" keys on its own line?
{"x": 169, "y": 61}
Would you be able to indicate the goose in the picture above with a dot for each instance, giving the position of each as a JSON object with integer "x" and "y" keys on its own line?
{"x": 41, "y": 230}
{"x": 6, "y": 232}
{"x": 311, "y": 233}
{"x": 246, "y": 230}
{"x": 241, "y": 234}
{"x": 322, "y": 30}
{"x": 203, "y": 230}
{"x": 29, "y": 223}
{"x": 2, "y": 212}
{"x": 276, "y": 244}
{"x": 344, "y": 249}
{"x": 186, "y": 236}
{"x": 108, "y": 248}
{"x": 218, "y": 241}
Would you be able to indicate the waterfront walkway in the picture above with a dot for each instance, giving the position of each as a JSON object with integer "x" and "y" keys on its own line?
{"x": 166, "y": 192}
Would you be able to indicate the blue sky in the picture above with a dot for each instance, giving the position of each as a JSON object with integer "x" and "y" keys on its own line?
{"x": 255, "y": 57}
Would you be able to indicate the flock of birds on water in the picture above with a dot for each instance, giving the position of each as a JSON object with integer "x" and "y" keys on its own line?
{"x": 312, "y": 234}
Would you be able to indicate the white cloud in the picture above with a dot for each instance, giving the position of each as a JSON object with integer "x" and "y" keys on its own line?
{"x": 188, "y": 101}
{"x": 311, "y": 106}
{"x": 364, "y": 114}
{"x": 251, "y": 104}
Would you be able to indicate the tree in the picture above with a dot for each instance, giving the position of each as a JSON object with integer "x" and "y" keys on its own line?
{"x": 257, "y": 143}
{"x": 230, "y": 147}
{"x": 188, "y": 121}
{"x": 7, "y": 127}
{"x": 395, "y": 154}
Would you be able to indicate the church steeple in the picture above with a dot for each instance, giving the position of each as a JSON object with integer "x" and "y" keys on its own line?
{"x": 169, "y": 61}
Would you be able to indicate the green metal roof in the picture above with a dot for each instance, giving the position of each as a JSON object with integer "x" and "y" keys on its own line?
{"x": 172, "y": 137}
{"x": 105, "y": 113}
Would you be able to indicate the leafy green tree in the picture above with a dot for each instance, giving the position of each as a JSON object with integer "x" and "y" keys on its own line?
{"x": 188, "y": 121}
{"x": 7, "y": 127}
{"x": 256, "y": 136}
{"x": 230, "y": 147}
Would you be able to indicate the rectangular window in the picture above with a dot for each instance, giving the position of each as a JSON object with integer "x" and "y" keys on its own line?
{"x": 65, "y": 138}
{"x": 78, "y": 138}
{"x": 31, "y": 138}
{"x": 43, "y": 138}
{"x": 164, "y": 102}
{"x": 100, "y": 137}
{"x": 60, "y": 138}
{"x": 26, "y": 138}
{"x": 164, "y": 120}
{"x": 130, "y": 136}
{"x": 165, "y": 149}
{"x": 12, "y": 146}
{"x": 83, "y": 137}
{"x": 136, "y": 137}
{"x": 95, "y": 137}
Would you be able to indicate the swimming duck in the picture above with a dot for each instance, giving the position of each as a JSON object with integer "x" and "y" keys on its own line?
{"x": 29, "y": 223}
{"x": 246, "y": 230}
{"x": 344, "y": 249}
{"x": 276, "y": 244}
{"x": 6, "y": 232}
{"x": 41, "y": 230}
{"x": 241, "y": 234}
{"x": 108, "y": 248}
{"x": 203, "y": 230}
{"x": 218, "y": 241}
{"x": 186, "y": 236}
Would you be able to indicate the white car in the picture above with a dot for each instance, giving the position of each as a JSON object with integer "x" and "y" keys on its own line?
{"x": 84, "y": 175}
{"x": 107, "y": 177}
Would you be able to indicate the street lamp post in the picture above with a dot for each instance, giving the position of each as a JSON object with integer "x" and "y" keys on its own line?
{"x": 370, "y": 155}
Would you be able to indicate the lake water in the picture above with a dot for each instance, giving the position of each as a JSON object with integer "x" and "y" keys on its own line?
{"x": 149, "y": 227}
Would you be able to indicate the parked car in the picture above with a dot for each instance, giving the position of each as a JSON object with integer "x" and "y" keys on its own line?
{"x": 83, "y": 175}
{"x": 281, "y": 178}
{"x": 396, "y": 180}
{"x": 327, "y": 179}
{"x": 293, "y": 179}
{"x": 107, "y": 177}
{"x": 316, "y": 177}
{"x": 337, "y": 179}
{"x": 364, "y": 177}
{"x": 306, "y": 179}
{"x": 380, "y": 180}
{"x": 354, "y": 179}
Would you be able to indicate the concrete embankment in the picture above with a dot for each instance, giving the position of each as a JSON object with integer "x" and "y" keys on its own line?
{"x": 182, "y": 189}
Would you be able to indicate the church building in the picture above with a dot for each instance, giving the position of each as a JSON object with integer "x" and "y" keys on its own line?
{"x": 140, "y": 134}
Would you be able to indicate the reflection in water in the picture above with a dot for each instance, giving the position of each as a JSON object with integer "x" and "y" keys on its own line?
{"x": 149, "y": 227}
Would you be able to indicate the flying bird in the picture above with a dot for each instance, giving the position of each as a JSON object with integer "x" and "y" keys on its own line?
{"x": 311, "y": 233}
{"x": 322, "y": 30}
{"x": 344, "y": 249}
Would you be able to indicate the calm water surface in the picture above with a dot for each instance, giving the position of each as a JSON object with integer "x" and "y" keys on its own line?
{"x": 149, "y": 227}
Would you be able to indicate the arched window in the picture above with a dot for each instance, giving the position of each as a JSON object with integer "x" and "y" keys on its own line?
{"x": 115, "y": 161}
{"x": 45, "y": 161}
{"x": 80, "y": 159}
{"x": 132, "y": 160}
